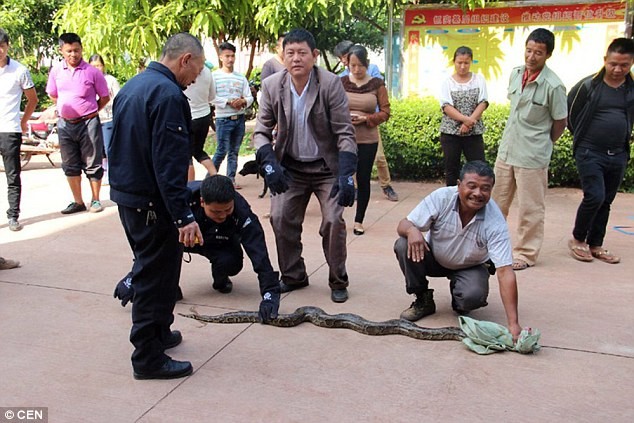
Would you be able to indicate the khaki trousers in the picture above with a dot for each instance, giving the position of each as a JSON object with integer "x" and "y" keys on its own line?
{"x": 383, "y": 171}
{"x": 530, "y": 185}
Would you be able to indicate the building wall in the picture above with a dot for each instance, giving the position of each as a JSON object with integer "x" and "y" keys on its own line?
{"x": 579, "y": 46}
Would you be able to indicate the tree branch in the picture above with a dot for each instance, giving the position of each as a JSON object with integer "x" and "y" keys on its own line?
{"x": 370, "y": 21}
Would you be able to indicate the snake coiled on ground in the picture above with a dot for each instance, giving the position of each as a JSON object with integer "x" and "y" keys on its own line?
{"x": 320, "y": 318}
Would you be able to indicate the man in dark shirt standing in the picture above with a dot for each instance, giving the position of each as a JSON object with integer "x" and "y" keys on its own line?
{"x": 601, "y": 117}
{"x": 149, "y": 158}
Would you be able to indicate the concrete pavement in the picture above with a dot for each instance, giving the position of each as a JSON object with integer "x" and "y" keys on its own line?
{"x": 64, "y": 339}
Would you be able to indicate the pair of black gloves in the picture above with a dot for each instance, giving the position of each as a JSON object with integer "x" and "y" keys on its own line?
{"x": 269, "y": 306}
{"x": 277, "y": 178}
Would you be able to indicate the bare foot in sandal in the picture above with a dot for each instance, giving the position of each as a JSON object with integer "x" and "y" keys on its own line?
{"x": 579, "y": 250}
{"x": 604, "y": 255}
{"x": 519, "y": 264}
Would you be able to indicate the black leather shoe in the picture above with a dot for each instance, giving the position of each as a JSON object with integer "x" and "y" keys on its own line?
{"x": 288, "y": 288}
{"x": 339, "y": 295}
{"x": 174, "y": 339}
{"x": 224, "y": 287}
{"x": 172, "y": 369}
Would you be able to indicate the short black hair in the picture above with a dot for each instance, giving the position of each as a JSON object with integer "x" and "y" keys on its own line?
{"x": 343, "y": 48}
{"x": 217, "y": 189}
{"x": 69, "y": 38}
{"x": 463, "y": 51}
{"x": 479, "y": 167}
{"x": 4, "y": 37}
{"x": 543, "y": 36}
{"x": 300, "y": 35}
{"x": 360, "y": 53}
{"x": 227, "y": 46}
{"x": 621, "y": 46}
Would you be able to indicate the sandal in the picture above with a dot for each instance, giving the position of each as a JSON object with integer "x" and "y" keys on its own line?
{"x": 519, "y": 264}
{"x": 578, "y": 252}
{"x": 605, "y": 256}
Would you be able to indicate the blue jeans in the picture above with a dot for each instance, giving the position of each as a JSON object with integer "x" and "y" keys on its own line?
{"x": 106, "y": 130}
{"x": 229, "y": 134}
{"x": 601, "y": 175}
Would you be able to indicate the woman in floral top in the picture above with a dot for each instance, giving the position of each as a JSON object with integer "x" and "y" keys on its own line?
{"x": 463, "y": 99}
{"x": 369, "y": 107}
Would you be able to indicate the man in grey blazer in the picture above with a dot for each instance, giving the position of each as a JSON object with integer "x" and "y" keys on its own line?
{"x": 315, "y": 153}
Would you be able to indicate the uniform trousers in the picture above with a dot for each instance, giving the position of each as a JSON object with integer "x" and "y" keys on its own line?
{"x": 153, "y": 239}
{"x": 287, "y": 217}
{"x": 226, "y": 259}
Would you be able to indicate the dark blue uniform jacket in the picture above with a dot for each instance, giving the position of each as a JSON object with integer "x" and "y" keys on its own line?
{"x": 242, "y": 226}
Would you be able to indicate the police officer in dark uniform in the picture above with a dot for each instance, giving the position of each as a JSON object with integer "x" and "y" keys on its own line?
{"x": 149, "y": 158}
{"x": 228, "y": 225}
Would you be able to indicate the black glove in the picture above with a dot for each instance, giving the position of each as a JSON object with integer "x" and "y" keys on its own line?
{"x": 274, "y": 174}
{"x": 269, "y": 306}
{"x": 344, "y": 185}
{"x": 124, "y": 290}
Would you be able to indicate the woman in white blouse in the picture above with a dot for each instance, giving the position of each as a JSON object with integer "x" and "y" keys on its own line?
{"x": 463, "y": 99}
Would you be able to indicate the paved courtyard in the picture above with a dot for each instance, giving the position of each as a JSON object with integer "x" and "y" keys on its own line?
{"x": 64, "y": 339}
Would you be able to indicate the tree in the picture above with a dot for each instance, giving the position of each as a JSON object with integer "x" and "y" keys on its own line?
{"x": 29, "y": 24}
{"x": 126, "y": 32}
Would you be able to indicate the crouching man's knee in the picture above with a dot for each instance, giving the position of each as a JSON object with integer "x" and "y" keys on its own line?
{"x": 470, "y": 289}
{"x": 400, "y": 247}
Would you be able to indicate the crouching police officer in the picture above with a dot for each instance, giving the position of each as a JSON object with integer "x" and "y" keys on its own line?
{"x": 227, "y": 225}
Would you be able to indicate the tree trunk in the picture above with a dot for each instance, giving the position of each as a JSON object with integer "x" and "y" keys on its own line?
{"x": 251, "y": 57}
{"x": 325, "y": 56}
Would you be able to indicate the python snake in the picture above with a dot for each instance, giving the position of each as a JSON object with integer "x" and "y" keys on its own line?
{"x": 322, "y": 319}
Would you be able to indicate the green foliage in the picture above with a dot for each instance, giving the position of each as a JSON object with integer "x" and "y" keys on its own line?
{"x": 411, "y": 140}
{"x": 246, "y": 148}
{"x": 28, "y": 23}
{"x": 39, "y": 79}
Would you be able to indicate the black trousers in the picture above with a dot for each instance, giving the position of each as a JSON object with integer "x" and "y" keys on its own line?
{"x": 601, "y": 175}
{"x": 453, "y": 146}
{"x": 200, "y": 129}
{"x": 226, "y": 259}
{"x": 366, "y": 153}
{"x": 153, "y": 239}
{"x": 10, "y": 149}
{"x": 469, "y": 287}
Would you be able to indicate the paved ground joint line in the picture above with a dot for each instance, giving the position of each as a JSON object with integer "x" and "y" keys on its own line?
{"x": 184, "y": 380}
{"x": 587, "y": 351}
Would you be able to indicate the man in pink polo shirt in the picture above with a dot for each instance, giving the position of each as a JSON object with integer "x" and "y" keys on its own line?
{"x": 79, "y": 92}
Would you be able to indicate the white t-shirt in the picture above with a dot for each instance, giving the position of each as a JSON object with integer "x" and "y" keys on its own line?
{"x": 201, "y": 93}
{"x": 14, "y": 79}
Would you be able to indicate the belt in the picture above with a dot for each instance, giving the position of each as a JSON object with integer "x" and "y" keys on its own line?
{"x": 82, "y": 118}
{"x": 614, "y": 151}
{"x": 232, "y": 117}
{"x": 608, "y": 151}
